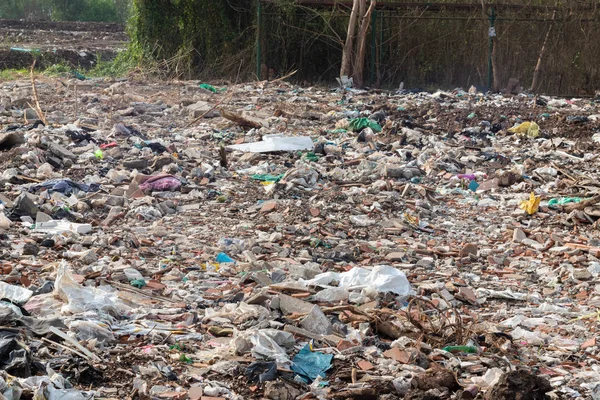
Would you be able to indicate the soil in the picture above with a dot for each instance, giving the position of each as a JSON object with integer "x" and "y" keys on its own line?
{"x": 78, "y": 44}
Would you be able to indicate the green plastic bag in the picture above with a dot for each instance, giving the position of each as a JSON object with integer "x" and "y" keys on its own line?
{"x": 310, "y": 156}
{"x": 211, "y": 88}
{"x": 563, "y": 200}
{"x": 358, "y": 124}
{"x": 267, "y": 177}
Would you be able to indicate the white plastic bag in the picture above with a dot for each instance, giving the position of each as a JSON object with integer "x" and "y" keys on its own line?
{"x": 80, "y": 299}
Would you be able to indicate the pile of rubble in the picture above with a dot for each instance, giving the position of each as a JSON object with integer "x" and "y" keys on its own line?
{"x": 187, "y": 241}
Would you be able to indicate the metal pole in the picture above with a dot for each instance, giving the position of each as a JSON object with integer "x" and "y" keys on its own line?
{"x": 491, "y": 35}
{"x": 258, "y": 39}
{"x": 373, "y": 44}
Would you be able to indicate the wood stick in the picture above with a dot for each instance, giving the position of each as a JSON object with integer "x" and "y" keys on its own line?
{"x": 36, "y": 100}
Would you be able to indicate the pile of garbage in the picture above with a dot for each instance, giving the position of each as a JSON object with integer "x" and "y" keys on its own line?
{"x": 190, "y": 241}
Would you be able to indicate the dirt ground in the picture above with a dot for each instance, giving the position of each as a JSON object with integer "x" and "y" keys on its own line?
{"x": 76, "y": 43}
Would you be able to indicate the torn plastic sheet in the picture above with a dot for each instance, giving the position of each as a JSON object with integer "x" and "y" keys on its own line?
{"x": 382, "y": 278}
{"x": 276, "y": 143}
{"x": 80, "y": 299}
{"x": 309, "y": 365}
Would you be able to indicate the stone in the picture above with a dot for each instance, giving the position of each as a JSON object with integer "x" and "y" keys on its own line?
{"x": 198, "y": 109}
{"x": 533, "y": 244}
{"x": 401, "y": 356}
{"x": 277, "y": 390}
{"x": 469, "y": 249}
{"x": 582, "y": 274}
{"x": 395, "y": 256}
{"x": 25, "y": 205}
{"x": 89, "y": 257}
{"x": 195, "y": 393}
{"x": 30, "y": 249}
{"x": 467, "y": 294}
{"x": 136, "y": 164}
{"x": 316, "y": 322}
{"x": 31, "y": 114}
{"x": 588, "y": 343}
{"x": 269, "y": 206}
{"x": 289, "y": 305}
{"x": 11, "y": 140}
{"x": 61, "y": 151}
{"x": 365, "y": 365}
{"x": 518, "y": 235}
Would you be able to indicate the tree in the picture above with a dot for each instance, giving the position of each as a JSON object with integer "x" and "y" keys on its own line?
{"x": 354, "y": 51}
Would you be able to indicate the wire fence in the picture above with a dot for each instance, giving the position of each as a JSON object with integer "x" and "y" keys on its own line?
{"x": 438, "y": 44}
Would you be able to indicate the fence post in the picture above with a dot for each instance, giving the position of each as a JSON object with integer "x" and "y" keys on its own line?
{"x": 258, "y": 39}
{"x": 491, "y": 35}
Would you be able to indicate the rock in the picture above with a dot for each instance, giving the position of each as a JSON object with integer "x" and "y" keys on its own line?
{"x": 316, "y": 322}
{"x": 197, "y": 109}
{"x": 518, "y": 235}
{"x": 582, "y": 274}
{"x": 30, "y": 249}
{"x": 195, "y": 393}
{"x": 278, "y": 390}
{"x": 88, "y": 257}
{"x": 136, "y": 164}
{"x": 10, "y": 140}
{"x": 520, "y": 384}
{"x": 467, "y": 294}
{"x": 31, "y": 114}
{"x": 437, "y": 377}
{"x": 469, "y": 249}
{"x": 395, "y": 256}
{"x": 533, "y": 244}
{"x": 25, "y": 205}
{"x": 61, "y": 152}
{"x": 290, "y": 305}
{"x": 269, "y": 206}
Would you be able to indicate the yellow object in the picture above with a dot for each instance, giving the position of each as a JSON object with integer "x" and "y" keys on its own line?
{"x": 531, "y": 129}
{"x": 531, "y": 205}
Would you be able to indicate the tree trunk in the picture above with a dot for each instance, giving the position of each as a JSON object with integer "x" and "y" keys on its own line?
{"x": 346, "y": 69}
{"x": 359, "y": 61}
{"x": 538, "y": 66}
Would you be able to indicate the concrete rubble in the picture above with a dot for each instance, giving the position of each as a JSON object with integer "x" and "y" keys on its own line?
{"x": 264, "y": 240}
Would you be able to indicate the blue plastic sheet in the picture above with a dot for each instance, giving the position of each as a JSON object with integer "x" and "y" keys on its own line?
{"x": 311, "y": 364}
{"x": 224, "y": 258}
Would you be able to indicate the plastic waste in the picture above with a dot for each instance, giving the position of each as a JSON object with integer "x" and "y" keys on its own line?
{"x": 261, "y": 372}
{"x": 5, "y": 223}
{"x": 272, "y": 143}
{"x": 224, "y": 258}
{"x": 381, "y": 279}
{"x": 16, "y": 294}
{"x": 80, "y": 299}
{"x": 132, "y": 274}
{"x": 358, "y": 124}
{"x": 60, "y": 226}
{"x": 309, "y": 365}
{"x": 531, "y": 206}
{"x": 211, "y": 88}
{"x": 563, "y": 200}
{"x": 161, "y": 183}
{"x": 65, "y": 186}
{"x": 546, "y": 171}
{"x": 527, "y": 128}
{"x": 332, "y": 295}
{"x": 267, "y": 177}
{"x": 267, "y": 343}
{"x": 461, "y": 349}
